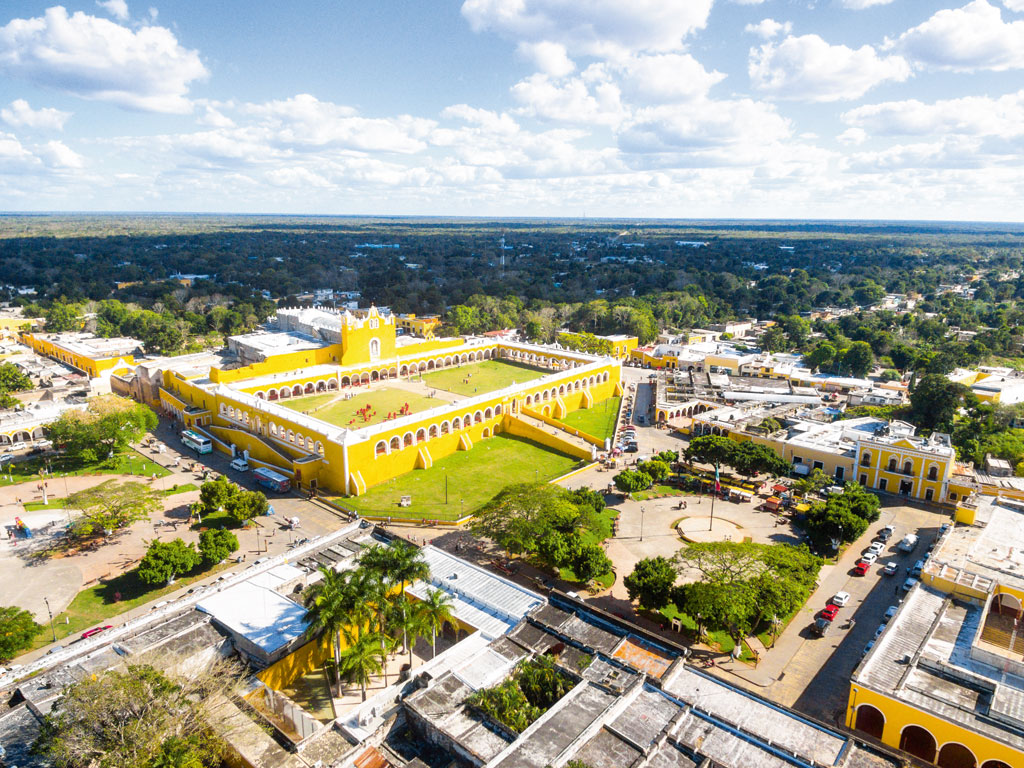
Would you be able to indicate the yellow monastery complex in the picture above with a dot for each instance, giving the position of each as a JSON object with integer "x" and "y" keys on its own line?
{"x": 239, "y": 405}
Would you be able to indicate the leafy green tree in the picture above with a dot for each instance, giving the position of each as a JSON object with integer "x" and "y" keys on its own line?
{"x": 632, "y": 481}
{"x": 559, "y": 549}
{"x": 813, "y": 483}
{"x": 17, "y": 631}
{"x": 217, "y": 494}
{"x": 164, "y": 560}
{"x": 591, "y": 562}
{"x": 338, "y": 600}
{"x": 890, "y": 375}
{"x": 248, "y": 504}
{"x": 711, "y": 449}
{"x": 216, "y": 545}
{"x": 12, "y": 379}
{"x": 361, "y": 659}
{"x": 520, "y": 515}
{"x": 435, "y": 611}
{"x": 110, "y": 506}
{"x": 62, "y": 317}
{"x": 651, "y": 582}
{"x": 821, "y": 357}
{"x": 655, "y": 468}
{"x": 749, "y": 459}
{"x": 935, "y": 400}
{"x": 109, "y": 425}
{"x": 827, "y": 526}
{"x": 858, "y": 359}
{"x": 774, "y": 339}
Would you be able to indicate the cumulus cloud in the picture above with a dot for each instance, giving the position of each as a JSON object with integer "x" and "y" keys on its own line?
{"x": 92, "y": 58}
{"x": 769, "y": 28}
{"x": 19, "y": 158}
{"x": 966, "y": 39}
{"x": 20, "y": 115}
{"x": 585, "y": 99}
{"x": 116, "y": 8}
{"x": 592, "y": 27}
{"x": 550, "y": 58}
{"x": 969, "y": 116}
{"x": 808, "y": 68}
{"x": 1014, "y": 5}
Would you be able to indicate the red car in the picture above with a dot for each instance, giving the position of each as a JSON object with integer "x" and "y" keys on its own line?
{"x": 861, "y": 568}
{"x": 829, "y": 612}
{"x": 90, "y": 632}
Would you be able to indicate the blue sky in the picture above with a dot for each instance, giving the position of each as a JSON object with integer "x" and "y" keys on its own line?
{"x": 907, "y": 109}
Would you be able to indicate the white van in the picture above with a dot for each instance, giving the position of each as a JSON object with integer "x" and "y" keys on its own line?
{"x": 908, "y": 544}
{"x": 240, "y": 465}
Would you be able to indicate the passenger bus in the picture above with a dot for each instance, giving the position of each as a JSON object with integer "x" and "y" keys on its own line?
{"x": 271, "y": 480}
{"x": 196, "y": 442}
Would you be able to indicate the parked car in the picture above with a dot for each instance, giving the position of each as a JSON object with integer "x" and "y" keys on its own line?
{"x": 890, "y": 569}
{"x": 909, "y": 584}
{"x": 841, "y": 598}
{"x": 240, "y": 465}
{"x": 890, "y": 613}
{"x": 829, "y": 612}
{"x": 821, "y": 626}
{"x": 95, "y": 631}
{"x": 876, "y": 547}
{"x": 868, "y": 558}
{"x": 861, "y": 568}
{"x": 631, "y": 448}
{"x": 908, "y": 544}
{"x": 867, "y": 648}
{"x": 915, "y": 572}
{"x": 879, "y": 631}
{"x": 886, "y": 533}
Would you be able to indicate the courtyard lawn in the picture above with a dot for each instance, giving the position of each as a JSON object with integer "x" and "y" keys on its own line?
{"x": 128, "y": 463}
{"x": 474, "y": 477}
{"x": 597, "y": 421}
{"x": 478, "y": 378}
{"x": 343, "y": 413}
{"x": 93, "y": 606}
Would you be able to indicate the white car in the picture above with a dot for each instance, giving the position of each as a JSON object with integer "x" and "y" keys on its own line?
{"x": 877, "y": 547}
{"x": 890, "y": 613}
{"x": 869, "y": 558}
{"x": 841, "y": 599}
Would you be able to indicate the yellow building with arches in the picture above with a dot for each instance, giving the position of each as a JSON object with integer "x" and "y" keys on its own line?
{"x": 319, "y": 351}
{"x": 945, "y": 680}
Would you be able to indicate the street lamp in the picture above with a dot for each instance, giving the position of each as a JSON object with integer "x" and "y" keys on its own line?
{"x": 643, "y": 512}
{"x": 50, "y": 613}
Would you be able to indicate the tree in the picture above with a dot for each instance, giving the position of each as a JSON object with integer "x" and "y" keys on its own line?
{"x": 217, "y": 494}
{"x": 338, "y": 600}
{"x": 435, "y": 611}
{"x": 656, "y": 469}
{"x": 164, "y": 560}
{"x": 17, "y": 631}
{"x": 631, "y": 481}
{"x": 820, "y": 357}
{"x": 750, "y": 459}
{"x": 362, "y": 658}
{"x": 409, "y": 621}
{"x": 248, "y": 504}
{"x": 521, "y": 514}
{"x": 12, "y": 379}
{"x": 62, "y": 317}
{"x": 711, "y": 449}
{"x": 216, "y": 545}
{"x": 137, "y": 717}
{"x": 110, "y": 506}
{"x": 109, "y": 424}
{"x": 828, "y": 526}
{"x": 721, "y": 562}
{"x": 591, "y": 562}
{"x": 651, "y": 582}
{"x": 813, "y": 483}
{"x": 935, "y": 400}
{"x": 773, "y": 340}
{"x": 858, "y": 359}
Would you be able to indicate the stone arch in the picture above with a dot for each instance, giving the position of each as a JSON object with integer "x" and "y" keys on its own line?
{"x": 447, "y": 361}
{"x": 383, "y": 374}
{"x": 318, "y": 447}
{"x": 561, "y": 390}
{"x": 893, "y": 464}
{"x": 407, "y": 439}
{"x": 432, "y": 432}
{"x": 223, "y": 409}
{"x": 332, "y": 385}
{"x": 1005, "y": 603}
{"x": 423, "y": 367}
{"x": 273, "y": 429}
{"x": 545, "y": 396}
{"x": 291, "y": 436}
{"x": 421, "y": 435}
{"x": 464, "y": 358}
{"x": 497, "y": 410}
{"x": 346, "y": 381}
{"x": 870, "y": 720}
{"x": 486, "y": 432}
{"x": 300, "y": 440}
{"x": 445, "y": 427}
{"x": 994, "y": 764}
{"x": 919, "y": 742}
{"x": 403, "y": 371}
{"x": 467, "y": 420}
{"x": 529, "y": 400}
{"x": 576, "y": 385}
{"x": 364, "y": 379}
{"x": 547, "y": 410}
{"x": 261, "y": 396}
{"x": 430, "y": 365}
{"x": 321, "y": 386}
{"x": 374, "y": 376}
{"x": 488, "y": 414}
{"x": 604, "y": 378}
{"x": 396, "y": 443}
{"x": 393, "y": 372}
{"x": 456, "y": 424}
{"x": 38, "y": 433}
{"x": 296, "y": 391}
{"x": 954, "y": 755}
{"x": 478, "y": 417}
{"x": 272, "y": 395}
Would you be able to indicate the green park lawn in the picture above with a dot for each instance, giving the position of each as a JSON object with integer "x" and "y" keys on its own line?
{"x": 474, "y": 477}
{"x": 720, "y": 638}
{"x": 478, "y": 378}
{"x": 127, "y": 463}
{"x": 91, "y": 607}
{"x": 32, "y": 506}
{"x": 343, "y": 413}
{"x": 597, "y": 421}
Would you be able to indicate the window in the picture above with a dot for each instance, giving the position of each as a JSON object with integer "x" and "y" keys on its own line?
{"x": 908, "y": 468}
{"x": 929, "y": 494}
{"x": 882, "y": 484}
{"x": 933, "y": 472}
{"x": 863, "y": 479}
{"x": 374, "y": 323}
{"x": 865, "y": 460}
{"x": 892, "y": 465}
{"x": 952, "y": 497}
{"x": 798, "y": 460}
{"x": 840, "y": 473}
{"x": 374, "y": 349}
{"x": 818, "y": 465}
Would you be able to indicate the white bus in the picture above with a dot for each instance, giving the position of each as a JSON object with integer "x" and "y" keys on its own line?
{"x": 196, "y": 442}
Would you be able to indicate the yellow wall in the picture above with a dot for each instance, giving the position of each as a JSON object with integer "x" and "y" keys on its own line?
{"x": 94, "y": 367}
{"x": 565, "y": 427}
{"x": 921, "y": 464}
{"x": 898, "y": 715}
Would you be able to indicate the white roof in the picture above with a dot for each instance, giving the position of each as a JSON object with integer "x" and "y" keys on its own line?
{"x": 276, "y": 576}
{"x": 260, "y": 615}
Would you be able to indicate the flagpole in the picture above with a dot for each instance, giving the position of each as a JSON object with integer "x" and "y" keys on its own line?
{"x": 711, "y": 525}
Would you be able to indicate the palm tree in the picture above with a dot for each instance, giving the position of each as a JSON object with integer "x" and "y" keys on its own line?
{"x": 407, "y": 566}
{"x": 330, "y": 609}
{"x": 362, "y": 659}
{"x": 411, "y": 623}
{"x": 435, "y": 610}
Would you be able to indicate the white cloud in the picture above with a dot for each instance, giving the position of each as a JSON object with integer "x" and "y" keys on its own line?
{"x": 93, "y": 58}
{"x": 748, "y": 2}
{"x": 550, "y": 58}
{"x": 665, "y": 77}
{"x": 808, "y": 68}
{"x": 573, "y": 100}
{"x": 116, "y": 8}
{"x": 860, "y": 5}
{"x": 769, "y": 28}
{"x": 944, "y": 154}
{"x": 592, "y": 27}
{"x": 965, "y": 39}
{"x": 48, "y": 158}
{"x": 1014, "y": 5}
{"x": 56, "y": 154}
{"x": 20, "y": 115}
{"x": 968, "y": 116}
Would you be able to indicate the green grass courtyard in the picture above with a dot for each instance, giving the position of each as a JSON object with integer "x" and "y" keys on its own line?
{"x": 598, "y": 420}
{"x": 479, "y": 378}
{"x": 345, "y": 413}
{"x": 474, "y": 477}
